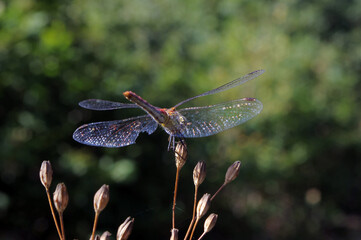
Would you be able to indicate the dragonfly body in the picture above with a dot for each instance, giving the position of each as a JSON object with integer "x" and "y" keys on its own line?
{"x": 168, "y": 118}
{"x": 184, "y": 123}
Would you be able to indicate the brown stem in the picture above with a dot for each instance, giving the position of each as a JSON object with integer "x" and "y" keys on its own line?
{"x": 203, "y": 234}
{"x": 194, "y": 211}
{"x": 62, "y": 225}
{"x": 175, "y": 196}
{"x": 194, "y": 228}
{"x": 189, "y": 228}
{"x": 219, "y": 189}
{"x": 94, "y": 225}
{"x": 53, "y": 213}
{"x": 195, "y": 201}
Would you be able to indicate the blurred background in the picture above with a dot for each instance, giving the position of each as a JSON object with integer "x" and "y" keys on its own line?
{"x": 301, "y": 171}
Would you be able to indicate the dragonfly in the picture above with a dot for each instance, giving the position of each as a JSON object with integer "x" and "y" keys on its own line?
{"x": 190, "y": 122}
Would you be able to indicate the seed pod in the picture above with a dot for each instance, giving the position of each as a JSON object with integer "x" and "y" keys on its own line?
{"x": 61, "y": 198}
{"x": 125, "y": 229}
{"x": 199, "y": 173}
{"x": 181, "y": 154}
{"x": 232, "y": 172}
{"x": 203, "y": 205}
{"x": 46, "y": 174}
{"x": 210, "y": 222}
{"x": 101, "y": 198}
{"x": 174, "y": 234}
{"x": 105, "y": 236}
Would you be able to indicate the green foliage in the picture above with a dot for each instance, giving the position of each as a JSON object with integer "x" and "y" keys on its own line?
{"x": 305, "y": 142}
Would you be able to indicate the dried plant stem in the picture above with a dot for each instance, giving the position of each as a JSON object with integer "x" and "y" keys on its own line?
{"x": 94, "y": 225}
{"x": 203, "y": 234}
{"x": 194, "y": 211}
{"x": 219, "y": 189}
{"x": 194, "y": 228}
{"x": 189, "y": 228}
{"x": 53, "y": 213}
{"x": 175, "y": 195}
{"x": 62, "y": 225}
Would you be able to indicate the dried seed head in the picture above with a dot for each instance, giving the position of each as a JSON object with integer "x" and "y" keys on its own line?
{"x": 199, "y": 173}
{"x": 174, "y": 233}
{"x": 203, "y": 205}
{"x": 105, "y": 236}
{"x": 180, "y": 154}
{"x": 46, "y": 174}
{"x": 60, "y": 197}
{"x": 232, "y": 172}
{"x": 210, "y": 222}
{"x": 125, "y": 229}
{"x": 101, "y": 198}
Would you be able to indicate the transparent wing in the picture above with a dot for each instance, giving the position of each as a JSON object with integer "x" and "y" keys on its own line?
{"x": 206, "y": 121}
{"x": 226, "y": 86}
{"x": 101, "y": 105}
{"x": 118, "y": 133}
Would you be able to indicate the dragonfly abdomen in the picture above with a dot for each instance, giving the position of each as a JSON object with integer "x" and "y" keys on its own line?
{"x": 157, "y": 114}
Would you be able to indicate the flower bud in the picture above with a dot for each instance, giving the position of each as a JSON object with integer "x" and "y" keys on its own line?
{"x": 101, "y": 198}
{"x": 174, "y": 235}
{"x": 46, "y": 174}
{"x": 61, "y": 198}
{"x": 105, "y": 236}
{"x": 232, "y": 172}
{"x": 210, "y": 222}
{"x": 199, "y": 173}
{"x": 125, "y": 229}
{"x": 203, "y": 205}
{"x": 180, "y": 154}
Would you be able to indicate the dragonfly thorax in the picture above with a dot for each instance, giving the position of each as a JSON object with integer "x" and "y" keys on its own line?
{"x": 174, "y": 123}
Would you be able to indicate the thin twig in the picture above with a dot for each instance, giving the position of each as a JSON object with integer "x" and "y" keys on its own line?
{"x": 53, "y": 213}
{"x": 194, "y": 211}
{"x": 94, "y": 225}
{"x": 175, "y": 196}
{"x": 219, "y": 189}
{"x": 62, "y": 225}
{"x": 194, "y": 228}
{"x": 203, "y": 234}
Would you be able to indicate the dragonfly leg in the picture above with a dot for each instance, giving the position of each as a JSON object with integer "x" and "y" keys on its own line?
{"x": 182, "y": 141}
{"x": 170, "y": 142}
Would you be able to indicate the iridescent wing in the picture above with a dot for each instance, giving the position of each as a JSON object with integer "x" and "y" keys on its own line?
{"x": 102, "y": 105}
{"x": 209, "y": 120}
{"x": 226, "y": 86}
{"x": 118, "y": 133}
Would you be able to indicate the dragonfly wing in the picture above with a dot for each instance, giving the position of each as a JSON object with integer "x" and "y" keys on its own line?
{"x": 101, "y": 105}
{"x": 227, "y": 86}
{"x": 118, "y": 133}
{"x": 209, "y": 120}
